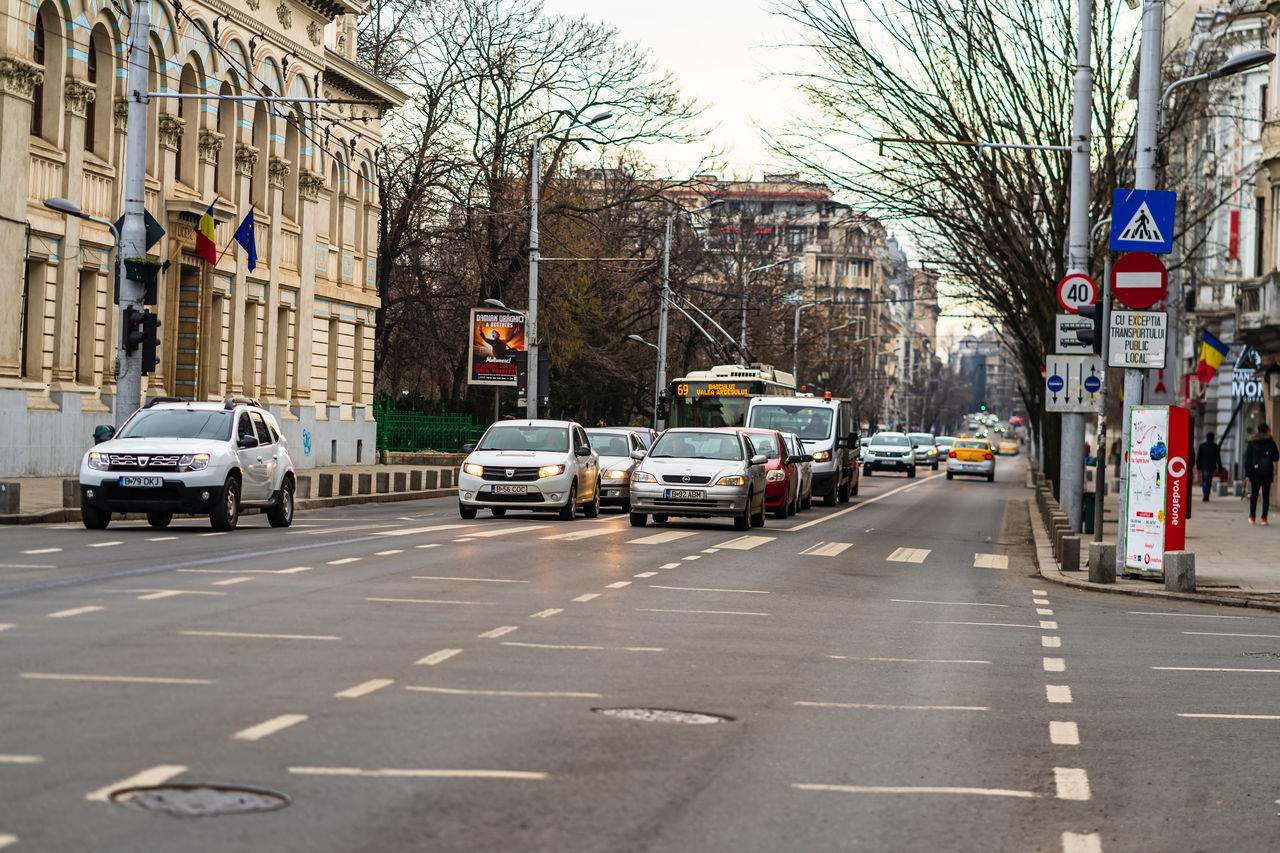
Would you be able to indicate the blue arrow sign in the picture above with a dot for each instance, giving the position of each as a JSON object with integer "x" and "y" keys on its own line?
{"x": 1092, "y": 384}
{"x": 1142, "y": 221}
{"x": 1056, "y": 383}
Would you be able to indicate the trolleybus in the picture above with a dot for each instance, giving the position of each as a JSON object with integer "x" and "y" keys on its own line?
{"x": 718, "y": 396}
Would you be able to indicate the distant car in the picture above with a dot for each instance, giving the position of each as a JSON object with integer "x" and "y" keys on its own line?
{"x": 805, "y": 467}
{"x": 615, "y": 446}
{"x": 889, "y": 451}
{"x": 972, "y": 457}
{"x": 781, "y": 472}
{"x": 646, "y": 435}
{"x": 926, "y": 447}
{"x": 699, "y": 472}
{"x": 531, "y": 464}
{"x": 944, "y": 444}
{"x": 1007, "y": 447}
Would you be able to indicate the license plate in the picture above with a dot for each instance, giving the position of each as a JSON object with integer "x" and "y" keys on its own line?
{"x": 142, "y": 482}
{"x": 686, "y": 494}
{"x": 510, "y": 490}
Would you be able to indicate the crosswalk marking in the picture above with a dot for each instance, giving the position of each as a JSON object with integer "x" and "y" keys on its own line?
{"x": 413, "y": 531}
{"x": 503, "y": 531}
{"x": 583, "y": 534}
{"x": 745, "y": 543}
{"x": 1072, "y": 783}
{"x": 909, "y": 555}
{"x": 990, "y": 561}
{"x": 659, "y": 538}
{"x": 827, "y": 549}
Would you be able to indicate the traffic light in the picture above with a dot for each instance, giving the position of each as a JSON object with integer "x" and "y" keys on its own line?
{"x": 132, "y": 331}
{"x": 664, "y": 405}
{"x": 983, "y": 407}
{"x": 150, "y": 341}
{"x": 1092, "y": 337}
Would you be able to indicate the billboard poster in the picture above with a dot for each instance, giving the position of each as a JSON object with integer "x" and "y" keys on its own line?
{"x": 1157, "y": 490}
{"x": 497, "y": 337}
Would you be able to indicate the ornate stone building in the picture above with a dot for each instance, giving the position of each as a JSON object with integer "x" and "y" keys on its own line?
{"x": 295, "y": 332}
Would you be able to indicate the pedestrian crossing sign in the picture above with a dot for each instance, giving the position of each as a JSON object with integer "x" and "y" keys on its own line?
{"x": 1142, "y": 221}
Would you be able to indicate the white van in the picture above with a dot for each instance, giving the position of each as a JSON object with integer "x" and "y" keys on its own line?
{"x": 825, "y": 426}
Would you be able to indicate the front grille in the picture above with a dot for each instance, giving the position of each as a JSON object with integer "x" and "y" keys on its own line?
{"x": 143, "y": 462}
{"x": 493, "y": 472}
{"x": 491, "y": 498}
{"x": 686, "y": 479}
{"x": 692, "y": 504}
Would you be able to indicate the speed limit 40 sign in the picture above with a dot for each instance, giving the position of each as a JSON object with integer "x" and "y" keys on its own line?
{"x": 1076, "y": 290}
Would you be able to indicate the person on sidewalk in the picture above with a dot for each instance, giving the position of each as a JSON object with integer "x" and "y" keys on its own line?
{"x": 1260, "y": 459}
{"x": 1208, "y": 461}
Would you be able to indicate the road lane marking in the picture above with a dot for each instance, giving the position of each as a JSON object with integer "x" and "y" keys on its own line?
{"x": 826, "y": 549}
{"x": 711, "y": 550}
{"x": 414, "y": 531}
{"x": 583, "y": 534}
{"x": 505, "y": 531}
{"x": 588, "y": 596}
{"x": 343, "y": 561}
{"x": 1043, "y": 611}
{"x": 7, "y": 838}
{"x": 1040, "y": 601}
{"x": 1225, "y": 634}
{"x": 1072, "y": 783}
{"x": 428, "y": 545}
{"x": 293, "y": 571}
{"x": 5, "y": 626}
{"x": 21, "y": 759}
{"x": 711, "y": 589}
{"x": 692, "y": 557}
{"x": 714, "y": 612}
{"x": 31, "y": 566}
{"x": 1039, "y": 592}
{"x": 388, "y": 553}
{"x": 1187, "y": 615}
{"x": 908, "y": 660}
{"x": 216, "y": 533}
{"x": 408, "y": 773}
{"x": 645, "y": 575}
{"x": 546, "y": 614}
{"x": 42, "y": 551}
{"x": 669, "y": 566}
{"x": 431, "y": 601}
{"x": 956, "y": 603}
{"x": 497, "y": 632}
{"x": 238, "y": 635}
{"x": 74, "y": 611}
{"x": 1055, "y": 665}
{"x": 453, "y": 691}
{"x": 1232, "y": 716}
{"x": 364, "y": 688}
{"x": 909, "y": 555}
{"x": 157, "y": 775}
{"x": 269, "y": 727}
{"x": 921, "y": 789}
{"x": 990, "y": 561}
{"x": 1064, "y": 734}
{"x": 105, "y": 544}
{"x": 114, "y": 679}
{"x": 157, "y": 594}
{"x": 1076, "y": 842}
{"x": 1058, "y": 694}
{"x": 858, "y": 505}
{"x": 471, "y": 580}
{"x": 1051, "y": 642}
{"x": 1048, "y": 626}
{"x": 863, "y": 706}
{"x": 437, "y": 657}
{"x": 583, "y": 648}
{"x": 617, "y": 584}
{"x": 744, "y": 543}
{"x": 1212, "y": 669}
{"x": 659, "y": 538}
{"x": 983, "y": 624}
{"x": 232, "y": 581}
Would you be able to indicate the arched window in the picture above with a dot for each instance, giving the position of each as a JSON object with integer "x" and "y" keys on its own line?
{"x": 37, "y": 95}
{"x": 153, "y": 113}
{"x": 185, "y": 168}
{"x": 91, "y": 115}
{"x": 362, "y": 189}
{"x": 292, "y": 154}
{"x": 335, "y": 203}
{"x": 47, "y": 50}
{"x": 262, "y": 141}
{"x": 223, "y": 173}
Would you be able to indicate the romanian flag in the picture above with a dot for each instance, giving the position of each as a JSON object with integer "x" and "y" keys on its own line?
{"x": 1212, "y": 352}
{"x": 205, "y": 246}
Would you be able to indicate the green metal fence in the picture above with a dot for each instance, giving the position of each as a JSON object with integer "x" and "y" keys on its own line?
{"x": 410, "y": 431}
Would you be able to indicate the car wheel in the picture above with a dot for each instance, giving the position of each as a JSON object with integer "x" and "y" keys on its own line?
{"x": 866, "y": 470}
{"x": 570, "y": 506}
{"x": 660, "y": 519}
{"x": 935, "y": 466}
{"x": 911, "y": 472}
{"x": 592, "y": 510}
{"x": 466, "y": 512}
{"x": 743, "y": 522}
{"x": 159, "y": 519}
{"x": 807, "y": 501}
{"x": 950, "y": 476}
{"x": 94, "y": 518}
{"x": 226, "y": 512}
{"x": 781, "y": 510}
{"x": 842, "y": 493}
{"x": 626, "y": 507}
{"x": 499, "y": 511}
{"x": 281, "y": 515}
{"x": 639, "y": 519}
{"x": 991, "y": 478}
{"x": 829, "y": 499}
{"x": 854, "y": 483}
{"x": 757, "y": 520}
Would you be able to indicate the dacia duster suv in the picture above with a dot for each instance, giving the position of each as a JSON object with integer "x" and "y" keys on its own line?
{"x": 174, "y": 456}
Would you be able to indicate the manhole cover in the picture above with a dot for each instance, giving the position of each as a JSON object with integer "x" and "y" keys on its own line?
{"x": 201, "y": 800}
{"x": 664, "y": 715}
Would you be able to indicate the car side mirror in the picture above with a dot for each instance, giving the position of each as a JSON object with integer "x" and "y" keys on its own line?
{"x": 102, "y": 433}
{"x": 638, "y": 454}
{"x": 795, "y": 460}
{"x": 247, "y": 441}
{"x": 582, "y": 451}
{"x": 806, "y": 457}
{"x": 468, "y": 448}
{"x": 759, "y": 460}
{"x": 842, "y": 442}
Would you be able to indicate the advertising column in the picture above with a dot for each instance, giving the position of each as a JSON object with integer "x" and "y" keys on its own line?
{"x": 1157, "y": 487}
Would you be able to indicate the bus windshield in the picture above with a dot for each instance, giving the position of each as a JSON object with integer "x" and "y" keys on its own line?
{"x": 812, "y": 423}
{"x": 709, "y": 412}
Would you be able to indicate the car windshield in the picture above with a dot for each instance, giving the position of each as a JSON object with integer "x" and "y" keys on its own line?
{"x": 925, "y": 438}
{"x": 891, "y": 440}
{"x": 971, "y": 444}
{"x": 550, "y": 439}
{"x": 609, "y": 444}
{"x": 808, "y": 422}
{"x": 765, "y": 445}
{"x": 697, "y": 445}
{"x": 178, "y": 423}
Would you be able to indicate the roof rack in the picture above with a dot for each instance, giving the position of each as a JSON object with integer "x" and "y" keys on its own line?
{"x": 232, "y": 402}
{"x": 155, "y": 400}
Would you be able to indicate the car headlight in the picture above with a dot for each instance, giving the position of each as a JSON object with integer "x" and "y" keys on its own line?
{"x": 643, "y": 477}
{"x": 773, "y": 476}
{"x": 194, "y": 462}
{"x": 933, "y": 451}
{"x": 473, "y": 469}
{"x": 737, "y": 480}
{"x": 550, "y": 470}
{"x": 822, "y": 456}
{"x": 616, "y": 474}
{"x": 98, "y": 461}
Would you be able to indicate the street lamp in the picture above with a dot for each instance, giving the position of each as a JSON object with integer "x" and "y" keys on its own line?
{"x": 1242, "y": 61}
{"x": 498, "y": 303}
{"x": 532, "y": 317}
{"x": 795, "y": 337}
{"x": 746, "y": 273}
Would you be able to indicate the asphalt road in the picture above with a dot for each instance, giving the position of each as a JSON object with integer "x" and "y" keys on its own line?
{"x": 892, "y": 675}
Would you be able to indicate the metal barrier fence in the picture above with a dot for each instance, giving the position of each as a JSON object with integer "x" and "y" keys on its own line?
{"x": 410, "y": 431}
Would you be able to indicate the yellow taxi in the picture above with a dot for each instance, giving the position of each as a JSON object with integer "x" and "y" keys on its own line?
{"x": 972, "y": 457}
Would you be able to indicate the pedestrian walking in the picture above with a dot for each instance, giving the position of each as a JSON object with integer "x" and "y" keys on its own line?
{"x": 1208, "y": 461}
{"x": 1260, "y": 459}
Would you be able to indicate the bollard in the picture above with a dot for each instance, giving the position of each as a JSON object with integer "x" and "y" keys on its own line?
{"x": 382, "y": 482}
{"x": 364, "y": 484}
{"x": 10, "y": 497}
{"x": 325, "y": 489}
{"x": 1224, "y": 490}
{"x": 1239, "y": 484}
{"x": 303, "y": 488}
{"x": 344, "y": 484}
{"x": 400, "y": 481}
{"x": 70, "y": 493}
{"x": 1060, "y": 532}
{"x": 1070, "y": 553}
{"x": 1180, "y": 571}
{"x": 1102, "y": 562}
{"x": 446, "y": 478}
{"x": 415, "y": 481}
{"x": 430, "y": 478}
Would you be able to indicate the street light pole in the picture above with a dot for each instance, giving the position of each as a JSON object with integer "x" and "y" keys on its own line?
{"x": 795, "y": 337}
{"x": 664, "y": 299}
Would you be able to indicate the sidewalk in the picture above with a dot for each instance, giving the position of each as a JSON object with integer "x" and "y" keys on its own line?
{"x": 41, "y": 498}
{"x": 1236, "y": 562}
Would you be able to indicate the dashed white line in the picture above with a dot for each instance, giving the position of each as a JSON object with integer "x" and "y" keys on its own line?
{"x": 105, "y": 544}
{"x": 364, "y": 688}
{"x": 293, "y": 571}
{"x": 990, "y": 561}
{"x": 863, "y": 706}
{"x": 437, "y": 657}
{"x": 21, "y": 759}
{"x": 692, "y": 557}
{"x": 343, "y": 561}
{"x": 711, "y": 589}
{"x": 1039, "y": 601}
{"x": 5, "y": 626}
{"x": 1213, "y": 669}
{"x": 453, "y": 691}
{"x": 269, "y": 727}
{"x": 710, "y": 550}
{"x": 1051, "y": 642}
{"x": 921, "y": 789}
{"x": 431, "y": 601}
{"x": 583, "y": 648}
{"x": 505, "y": 531}
{"x": 114, "y": 679}
{"x": 157, "y": 594}
{"x": 587, "y": 596}
{"x": 7, "y": 838}
{"x": 659, "y": 538}
{"x": 1226, "y": 634}
{"x": 617, "y": 584}
{"x": 546, "y": 614}
{"x": 581, "y": 534}
{"x": 1072, "y": 783}
{"x": 1059, "y": 694}
{"x": 981, "y": 624}
{"x": 497, "y": 632}
{"x": 1064, "y": 733}
{"x": 910, "y": 660}
{"x": 826, "y": 549}
{"x": 1076, "y": 842}
{"x": 233, "y": 581}
{"x": 161, "y": 538}
{"x": 949, "y": 603}
{"x": 239, "y": 635}
{"x": 42, "y": 551}
{"x": 472, "y": 580}
{"x": 1039, "y": 592}
{"x": 217, "y": 533}
{"x": 1055, "y": 665}
{"x": 669, "y": 566}
{"x": 1044, "y": 611}
{"x": 1048, "y": 626}
{"x": 1232, "y": 716}
{"x": 909, "y": 555}
{"x": 428, "y": 545}
{"x": 743, "y": 543}
{"x": 645, "y": 575}
{"x": 157, "y": 775}
{"x": 413, "y": 531}
{"x": 388, "y": 553}
{"x": 409, "y": 773}
{"x": 1187, "y": 615}
{"x": 709, "y": 612}
{"x": 74, "y": 611}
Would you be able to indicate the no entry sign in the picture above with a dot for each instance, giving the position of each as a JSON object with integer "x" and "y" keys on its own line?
{"x": 1076, "y": 289}
{"x": 1139, "y": 280}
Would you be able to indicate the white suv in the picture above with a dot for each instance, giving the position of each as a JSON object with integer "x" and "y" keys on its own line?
{"x": 173, "y": 456}
{"x": 538, "y": 465}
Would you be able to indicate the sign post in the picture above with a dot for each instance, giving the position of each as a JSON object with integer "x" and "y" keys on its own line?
{"x": 1155, "y": 519}
{"x": 1076, "y": 289}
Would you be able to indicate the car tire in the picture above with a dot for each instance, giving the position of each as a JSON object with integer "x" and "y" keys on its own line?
{"x": 499, "y": 511}
{"x": 991, "y": 478}
{"x": 842, "y": 493}
{"x": 743, "y": 522}
{"x": 466, "y": 512}
{"x": 781, "y": 511}
{"x": 281, "y": 515}
{"x": 757, "y": 520}
{"x": 950, "y": 476}
{"x": 592, "y": 510}
{"x": 639, "y": 519}
{"x": 853, "y": 485}
{"x": 807, "y": 501}
{"x": 660, "y": 519}
{"x": 570, "y": 507}
{"x": 626, "y": 507}
{"x": 94, "y": 518}
{"x": 224, "y": 514}
{"x": 935, "y": 466}
{"x": 159, "y": 519}
{"x": 911, "y": 472}
{"x": 829, "y": 499}
{"x": 866, "y": 471}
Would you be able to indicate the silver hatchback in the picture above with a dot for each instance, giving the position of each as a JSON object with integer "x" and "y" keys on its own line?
{"x": 700, "y": 473}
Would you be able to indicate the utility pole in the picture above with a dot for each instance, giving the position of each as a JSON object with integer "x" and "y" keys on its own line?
{"x": 531, "y": 318}
{"x": 133, "y": 236}
{"x": 661, "y": 423}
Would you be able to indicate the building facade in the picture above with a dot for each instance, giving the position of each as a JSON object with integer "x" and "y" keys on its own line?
{"x": 297, "y": 330}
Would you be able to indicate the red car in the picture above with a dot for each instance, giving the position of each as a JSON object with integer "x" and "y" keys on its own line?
{"x": 782, "y": 475}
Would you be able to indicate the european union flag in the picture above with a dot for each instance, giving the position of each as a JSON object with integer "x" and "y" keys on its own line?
{"x": 244, "y": 236}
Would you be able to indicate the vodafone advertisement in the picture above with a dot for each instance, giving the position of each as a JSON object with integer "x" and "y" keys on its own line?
{"x": 1157, "y": 500}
